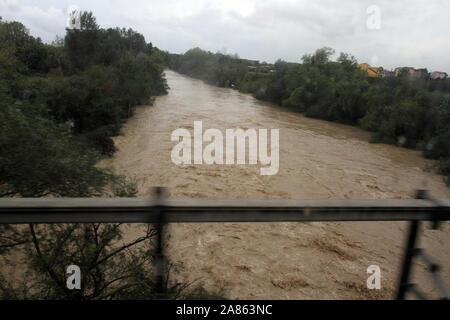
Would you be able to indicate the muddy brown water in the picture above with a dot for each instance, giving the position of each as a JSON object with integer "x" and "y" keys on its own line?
{"x": 318, "y": 160}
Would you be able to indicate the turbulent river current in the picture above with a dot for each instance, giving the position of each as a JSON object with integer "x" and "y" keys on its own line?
{"x": 317, "y": 160}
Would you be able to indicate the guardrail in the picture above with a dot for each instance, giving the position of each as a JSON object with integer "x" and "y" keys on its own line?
{"x": 43, "y": 211}
{"x": 161, "y": 211}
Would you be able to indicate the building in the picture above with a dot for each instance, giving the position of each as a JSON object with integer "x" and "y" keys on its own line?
{"x": 371, "y": 71}
{"x": 408, "y": 72}
{"x": 435, "y": 75}
{"x": 411, "y": 73}
{"x": 403, "y": 71}
{"x": 385, "y": 73}
{"x": 375, "y": 72}
{"x": 420, "y": 74}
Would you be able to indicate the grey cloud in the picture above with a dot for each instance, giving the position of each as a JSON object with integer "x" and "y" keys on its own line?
{"x": 413, "y": 33}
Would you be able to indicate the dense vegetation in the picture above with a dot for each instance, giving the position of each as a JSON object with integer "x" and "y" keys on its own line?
{"x": 60, "y": 105}
{"x": 398, "y": 110}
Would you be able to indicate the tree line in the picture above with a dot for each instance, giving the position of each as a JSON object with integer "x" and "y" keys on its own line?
{"x": 412, "y": 113}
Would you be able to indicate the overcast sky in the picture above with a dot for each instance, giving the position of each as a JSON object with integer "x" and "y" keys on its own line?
{"x": 412, "y": 33}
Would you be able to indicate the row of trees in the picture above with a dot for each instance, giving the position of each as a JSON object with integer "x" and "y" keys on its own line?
{"x": 60, "y": 105}
{"x": 217, "y": 69}
{"x": 411, "y": 113}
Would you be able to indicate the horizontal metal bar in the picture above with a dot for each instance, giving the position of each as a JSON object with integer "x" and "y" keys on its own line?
{"x": 138, "y": 210}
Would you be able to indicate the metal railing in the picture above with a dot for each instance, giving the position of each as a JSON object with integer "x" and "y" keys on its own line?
{"x": 160, "y": 211}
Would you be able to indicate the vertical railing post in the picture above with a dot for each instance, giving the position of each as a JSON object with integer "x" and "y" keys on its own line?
{"x": 407, "y": 260}
{"x": 403, "y": 284}
{"x": 160, "y": 258}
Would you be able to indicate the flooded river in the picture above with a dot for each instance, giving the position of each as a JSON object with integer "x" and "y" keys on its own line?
{"x": 318, "y": 160}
